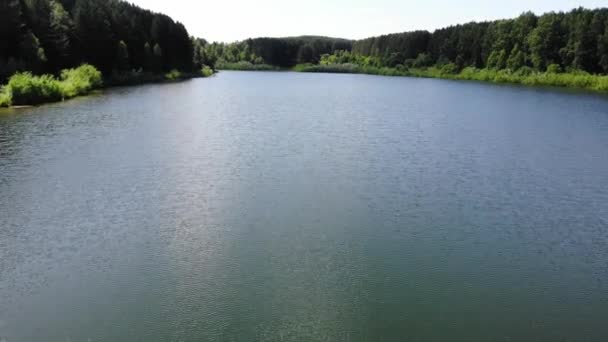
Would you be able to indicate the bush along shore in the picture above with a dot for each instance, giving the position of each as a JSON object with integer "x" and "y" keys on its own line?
{"x": 27, "y": 89}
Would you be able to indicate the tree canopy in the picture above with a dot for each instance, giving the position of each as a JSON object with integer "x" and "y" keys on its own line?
{"x": 45, "y": 36}
{"x": 577, "y": 40}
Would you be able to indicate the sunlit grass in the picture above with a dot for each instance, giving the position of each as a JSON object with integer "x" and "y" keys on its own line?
{"x": 24, "y": 88}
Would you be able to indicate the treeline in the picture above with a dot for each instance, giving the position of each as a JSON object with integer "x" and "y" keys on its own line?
{"x": 279, "y": 52}
{"x": 46, "y": 36}
{"x": 577, "y": 40}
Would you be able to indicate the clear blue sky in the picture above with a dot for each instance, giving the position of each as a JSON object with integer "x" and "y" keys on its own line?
{"x": 230, "y": 20}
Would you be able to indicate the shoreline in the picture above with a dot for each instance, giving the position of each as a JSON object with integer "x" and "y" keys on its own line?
{"x": 567, "y": 80}
{"x": 590, "y": 83}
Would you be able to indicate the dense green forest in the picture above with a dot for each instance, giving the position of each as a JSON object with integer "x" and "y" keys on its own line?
{"x": 46, "y": 36}
{"x": 277, "y": 52}
{"x": 577, "y": 40}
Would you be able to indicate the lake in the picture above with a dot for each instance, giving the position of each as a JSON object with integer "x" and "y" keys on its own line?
{"x": 279, "y": 206}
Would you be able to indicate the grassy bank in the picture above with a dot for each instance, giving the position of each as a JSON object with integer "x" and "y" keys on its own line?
{"x": 524, "y": 76}
{"x": 28, "y": 89}
{"x": 246, "y": 66}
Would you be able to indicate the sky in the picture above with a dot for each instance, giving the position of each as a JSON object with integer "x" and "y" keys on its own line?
{"x": 231, "y": 20}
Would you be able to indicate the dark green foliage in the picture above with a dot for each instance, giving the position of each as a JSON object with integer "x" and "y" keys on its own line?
{"x": 306, "y": 54}
{"x": 122, "y": 56}
{"x": 279, "y": 52}
{"x": 45, "y": 36}
{"x": 577, "y": 40}
{"x": 394, "y": 48}
{"x": 202, "y": 56}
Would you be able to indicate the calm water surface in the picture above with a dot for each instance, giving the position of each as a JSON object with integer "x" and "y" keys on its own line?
{"x": 306, "y": 207}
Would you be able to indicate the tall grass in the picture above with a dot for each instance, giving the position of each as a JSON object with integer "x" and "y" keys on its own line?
{"x": 524, "y": 76}
{"x": 5, "y": 99}
{"x": 80, "y": 81}
{"x": 26, "y": 89}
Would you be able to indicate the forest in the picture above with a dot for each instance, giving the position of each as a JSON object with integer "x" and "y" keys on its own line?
{"x": 575, "y": 42}
{"x": 126, "y": 43}
{"x": 46, "y": 36}
{"x": 269, "y": 53}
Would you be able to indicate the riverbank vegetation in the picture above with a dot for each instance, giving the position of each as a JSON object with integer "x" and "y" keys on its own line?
{"x": 553, "y": 76}
{"x": 24, "y": 88}
{"x": 130, "y": 45}
{"x": 554, "y": 49}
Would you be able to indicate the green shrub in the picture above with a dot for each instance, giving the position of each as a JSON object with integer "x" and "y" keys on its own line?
{"x": 601, "y": 83}
{"x": 5, "y": 99}
{"x": 554, "y": 69}
{"x": 401, "y": 68}
{"x": 449, "y": 69}
{"x": 27, "y": 89}
{"x": 80, "y": 80}
{"x": 206, "y": 71}
{"x": 524, "y": 71}
{"x": 173, "y": 75}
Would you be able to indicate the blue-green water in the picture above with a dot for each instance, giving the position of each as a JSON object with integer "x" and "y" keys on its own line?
{"x": 306, "y": 207}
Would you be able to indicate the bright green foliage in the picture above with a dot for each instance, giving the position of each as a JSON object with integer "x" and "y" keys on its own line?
{"x": 5, "y": 99}
{"x": 173, "y": 75}
{"x": 206, "y": 71}
{"x": 79, "y": 81}
{"x": 553, "y": 69}
{"x": 27, "y": 89}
